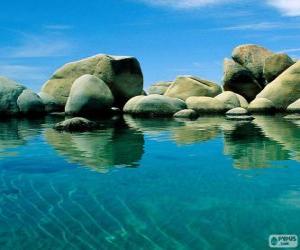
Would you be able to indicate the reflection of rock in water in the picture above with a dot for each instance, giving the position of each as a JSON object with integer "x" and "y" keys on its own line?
{"x": 100, "y": 150}
{"x": 16, "y": 132}
{"x": 250, "y": 148}
{"x": 285, "y": 132}
{"x": 203, "y": 129}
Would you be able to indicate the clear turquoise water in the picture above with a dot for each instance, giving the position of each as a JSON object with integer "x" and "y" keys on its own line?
{"x": 149, "y": 184}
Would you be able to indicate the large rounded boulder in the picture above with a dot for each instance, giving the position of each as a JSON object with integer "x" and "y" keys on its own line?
{"x": 285, "y": 89}
{"x": 89, "y": 95}
{"x": 253, "y": 58}
{"x": 123, "y": 75}
{"x": 30, "y": 103}
{"x": 275, "y": 65}
{"x": 159, "y": 88}
{"x": 240, "y": 80}
{"x": 187, "y": 86}
{"x": 206, "y": 105}
{"x": 9, "y": 94}
{"x": 230, "y": 99}
{"x": 154, "y": 105}
{"x": 294, "y": 107}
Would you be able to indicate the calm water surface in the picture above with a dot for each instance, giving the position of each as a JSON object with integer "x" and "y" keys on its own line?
{"x": 149, "y": 184}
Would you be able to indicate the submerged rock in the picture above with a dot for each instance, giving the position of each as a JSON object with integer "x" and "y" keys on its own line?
{"x": 154, "y": 105}
{"x": 122, "y": 74}
{"x": 187, "y": 86}
{"x": 240, "y": 117}
{"x": 76, "y": 124}
{"x": 89, "y": 95}
{"x": 186, "y": 113}
{"x": 292, "y": 117}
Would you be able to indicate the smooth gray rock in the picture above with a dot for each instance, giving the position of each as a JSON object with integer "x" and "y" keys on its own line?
{"x": 89, "y": 95}
{"x": 237, "y": 111}
{"x": 154, "y": 105}
{"x": 9, "y": 93}
{"x": 30, "y": 103}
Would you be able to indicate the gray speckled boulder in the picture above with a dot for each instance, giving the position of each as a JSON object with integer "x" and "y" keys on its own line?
{"x": 186, "y": 113}
{"x": 275, "y": 65}
{"x": 89, "y": 95}
{"x": 122, "y": 74}
{"x": 206, "y": 105}
{"x": 159, "y": 88}
{"x": 9, "y": 93}
{"x": 30, "y": 103}
{"x": 187, "y": 86}
{"x": 253, "y": 58}
{"x": 154, "y": 105}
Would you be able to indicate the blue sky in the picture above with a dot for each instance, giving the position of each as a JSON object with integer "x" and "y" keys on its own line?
{"x": 168, "y": 37}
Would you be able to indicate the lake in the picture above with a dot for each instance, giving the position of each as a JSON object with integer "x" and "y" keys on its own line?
{"x": 149, "y": 184}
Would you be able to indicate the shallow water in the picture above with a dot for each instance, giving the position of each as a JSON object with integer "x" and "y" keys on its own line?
{"x": 149, "y": 184}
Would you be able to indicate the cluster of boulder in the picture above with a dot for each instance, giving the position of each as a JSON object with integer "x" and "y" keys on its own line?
{"x": 256, "y": 80}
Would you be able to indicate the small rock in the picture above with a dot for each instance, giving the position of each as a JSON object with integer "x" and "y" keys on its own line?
{"x": 154, "y": 105}
{"x": 186, "y": 113}
{"x": 237, "y": 112}
{"x": 76, "y": 124}
{"x": 30, "y": 103}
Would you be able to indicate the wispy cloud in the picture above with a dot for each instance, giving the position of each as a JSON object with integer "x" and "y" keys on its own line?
{"x": 286, "y": 7}
{"x": 38, "y": 46}
{"x": 26, "y": 73}
{"x": 254, "y": 26}
{"x": 58, "y": 27}
{"x": 184, "y": 4}
{"x": 290, "y": 50}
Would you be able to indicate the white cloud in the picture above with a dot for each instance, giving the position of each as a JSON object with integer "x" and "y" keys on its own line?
{"x": 184, "y": 4}
{"x": 254, "y": 26}
{"x": 287, "y": 7}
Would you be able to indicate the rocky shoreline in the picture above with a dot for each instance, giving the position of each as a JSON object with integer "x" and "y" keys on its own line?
{"x": 256, "y": 81}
